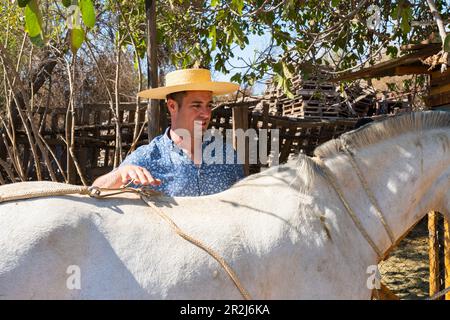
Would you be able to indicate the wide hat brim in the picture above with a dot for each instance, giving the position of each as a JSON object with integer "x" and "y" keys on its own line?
{"x": 217, "y": 88}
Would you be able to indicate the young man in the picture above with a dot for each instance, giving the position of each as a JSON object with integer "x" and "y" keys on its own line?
{"x": 171, "y": 163}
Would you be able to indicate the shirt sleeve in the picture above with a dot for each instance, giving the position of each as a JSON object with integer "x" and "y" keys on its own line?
{"x": 143, "y": 156}
{"x": 137, "y": 157}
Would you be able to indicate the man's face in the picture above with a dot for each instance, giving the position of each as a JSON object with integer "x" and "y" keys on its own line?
{"x": 196, "y": 106}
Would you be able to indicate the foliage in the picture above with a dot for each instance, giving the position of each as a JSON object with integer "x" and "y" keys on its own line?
{"x": 78, "y": 10}
{"x": 306, "y": 33}
{"x": 332, "y": 33}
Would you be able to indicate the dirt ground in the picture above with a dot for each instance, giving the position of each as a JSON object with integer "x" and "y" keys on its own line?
{"x": 406, "y": 271}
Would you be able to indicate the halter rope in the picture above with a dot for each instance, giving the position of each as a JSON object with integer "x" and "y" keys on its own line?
{"x": 331, "y": 178}
{"x": 145, "y": 193}
{"x": 369, "y": 193}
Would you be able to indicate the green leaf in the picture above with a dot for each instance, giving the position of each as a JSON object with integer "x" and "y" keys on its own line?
{"x": 404, "y": 25}
{"x": 213, "y": 37}
{"x": 33, "y": 20}
{"x": 238, "y": 5}
{"x": 219, "y": 65}
{"x": 306, "y": 74}
{"x": 406, "y": 17}
{"x": 392, "y": 51}
{"x": 287, "y": 73}
{"x": 447, "y": 43}
{"x": 335, "y": 3}
{"x": 23, "y": 3}
{"x": 236, "y": 78}
{"x": 38, "y": 41}
{"x": 394, "y": 13}
{"x": 287, "y": 89}
{"x": 341, "y": 42}
{"x": 76, "y": 39}
{"x": 279, "y": 80}
{"x": 87, "y": 12}
{"x": 66, "y": 3}
{"x": 250, "y": 80}
{"x": 136, "y": 63}
{"x": 214, "y": 3}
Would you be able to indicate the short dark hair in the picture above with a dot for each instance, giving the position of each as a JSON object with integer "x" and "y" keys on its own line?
{"x": 177, "y": 96}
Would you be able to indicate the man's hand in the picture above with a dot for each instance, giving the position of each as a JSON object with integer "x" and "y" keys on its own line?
{"x": 124, "y": 174}
{"x": 137, "y": 174}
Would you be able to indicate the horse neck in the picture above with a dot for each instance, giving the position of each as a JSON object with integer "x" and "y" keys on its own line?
{"x": 401, "y": 173}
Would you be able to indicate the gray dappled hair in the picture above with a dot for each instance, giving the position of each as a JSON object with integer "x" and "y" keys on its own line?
{"x": 379, "y": 131}
{"x": 371, "y": 133}
{"x": 374, "y": 132}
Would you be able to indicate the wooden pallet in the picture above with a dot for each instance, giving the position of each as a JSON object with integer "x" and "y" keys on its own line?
{"x": 317, "y": 92}
{"x": 312, "y": 108}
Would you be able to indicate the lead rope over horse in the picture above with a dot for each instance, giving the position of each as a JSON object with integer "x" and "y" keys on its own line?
{"x": 330, "y": 177}
{"x": 332, "y": 180}
{"x": 14, "y": 194}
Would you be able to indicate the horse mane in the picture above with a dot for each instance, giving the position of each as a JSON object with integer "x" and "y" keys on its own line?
{"x": 378, "y": 131}
{"x": 366, "y": 135}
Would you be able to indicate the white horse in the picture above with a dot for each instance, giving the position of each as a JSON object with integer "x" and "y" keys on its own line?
{"x": 285, "y": 232}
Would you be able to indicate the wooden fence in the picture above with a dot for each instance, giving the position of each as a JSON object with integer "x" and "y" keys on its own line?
{"x": 94, "y": 135}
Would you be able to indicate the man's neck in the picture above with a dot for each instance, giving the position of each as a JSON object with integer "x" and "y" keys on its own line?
{"x": 187, "y": 146}
{"x": 178, "y": 140}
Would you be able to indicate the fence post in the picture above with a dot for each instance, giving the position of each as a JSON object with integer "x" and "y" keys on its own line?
{"x": 433, "y": 252}
{"x": 447, "y": 256}
{"x": 240, "y": 121}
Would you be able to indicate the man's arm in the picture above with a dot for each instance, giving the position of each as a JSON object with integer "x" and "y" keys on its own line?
{"x": 123, "y": 174}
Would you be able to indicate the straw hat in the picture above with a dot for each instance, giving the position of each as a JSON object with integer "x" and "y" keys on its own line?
{"x": 188, "y": 80}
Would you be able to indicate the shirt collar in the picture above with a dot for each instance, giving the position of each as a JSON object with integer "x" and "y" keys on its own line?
{"x": 207, "y": 139}
{"x": 166, "y": 140}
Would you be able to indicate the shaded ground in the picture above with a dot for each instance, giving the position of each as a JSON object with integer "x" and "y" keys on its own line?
{"x": 406, "y": 271}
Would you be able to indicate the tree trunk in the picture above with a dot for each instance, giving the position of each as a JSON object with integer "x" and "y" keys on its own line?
{"x": 153, "y": 111}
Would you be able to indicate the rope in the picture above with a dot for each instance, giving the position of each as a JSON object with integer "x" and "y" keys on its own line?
{"x": 96, "y": 192}
{"x": 194, "y": 241}
{"x": 60, "y": 189}
{"x": 369, "y": 193}
{"x": 22, "y": 195}
{"x": 330, "y": 177}
{"x": 439, "y": 294}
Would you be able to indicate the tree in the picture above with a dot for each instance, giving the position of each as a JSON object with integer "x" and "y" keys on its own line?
{"x": 343, "y": 33}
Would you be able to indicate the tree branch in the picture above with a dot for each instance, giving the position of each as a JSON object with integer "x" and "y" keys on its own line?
{"x": 441, "y": 27}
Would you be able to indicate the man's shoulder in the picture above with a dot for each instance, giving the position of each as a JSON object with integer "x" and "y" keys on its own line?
{"x": 152, "y": 148}
{"x": 156, "y": 142}
{"x": 145, "y": 148}
{"x": 161, "y": 140}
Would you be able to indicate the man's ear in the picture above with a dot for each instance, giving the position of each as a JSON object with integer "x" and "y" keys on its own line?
{"x": 171, "y": 105}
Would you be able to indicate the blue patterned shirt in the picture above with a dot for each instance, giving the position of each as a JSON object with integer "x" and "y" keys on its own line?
{"x": 179, "y": 175}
